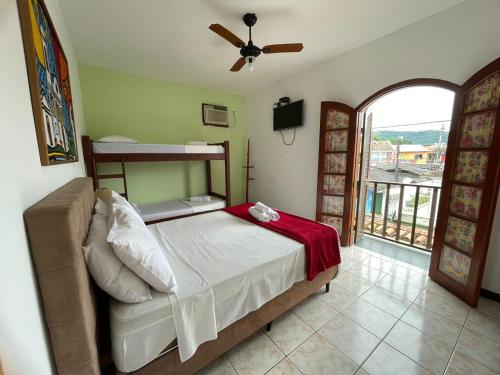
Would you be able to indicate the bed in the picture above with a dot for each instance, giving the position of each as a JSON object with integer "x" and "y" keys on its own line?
{"x": 76, "y": 311}
{"x": 95, "y": 153}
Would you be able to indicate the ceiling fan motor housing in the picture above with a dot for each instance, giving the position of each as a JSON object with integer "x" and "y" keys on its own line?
{"x": 250, "y": 50}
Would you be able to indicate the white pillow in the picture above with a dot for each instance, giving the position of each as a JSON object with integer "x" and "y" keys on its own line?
{"x": 122, "y": 202}
{"x": 134, "y": 244}
{"x": 116, "y": 139}
{"x": 108, "y": 271}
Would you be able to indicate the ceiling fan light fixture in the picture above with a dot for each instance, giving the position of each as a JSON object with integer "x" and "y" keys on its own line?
{"x": 250, "y": 63}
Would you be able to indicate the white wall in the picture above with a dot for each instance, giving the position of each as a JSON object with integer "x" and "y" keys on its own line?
{"x": 23, "y": 343}
{"x": 451, "y": 45}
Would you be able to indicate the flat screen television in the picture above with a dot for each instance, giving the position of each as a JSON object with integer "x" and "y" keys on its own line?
{"x": 289, "y": 116}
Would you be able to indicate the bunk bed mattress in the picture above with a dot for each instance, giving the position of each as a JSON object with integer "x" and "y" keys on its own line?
{"x": 143, "y": 148}
{"x": 177, "y": 207}
{"x": 264, "y": 264}
{"x": 162, "y": 210}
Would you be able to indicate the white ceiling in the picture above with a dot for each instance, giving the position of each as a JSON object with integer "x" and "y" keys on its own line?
{"x": 170, "y": 39}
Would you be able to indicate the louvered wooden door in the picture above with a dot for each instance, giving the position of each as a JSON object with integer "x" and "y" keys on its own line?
{"x": 364, "y": 168}
{"x": 470, "y": 187}
{"x": 335, "y": 198}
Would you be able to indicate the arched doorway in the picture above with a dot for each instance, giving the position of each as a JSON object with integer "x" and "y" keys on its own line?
{"x": 402, "y": 146}
{"x": 471, "y": 177}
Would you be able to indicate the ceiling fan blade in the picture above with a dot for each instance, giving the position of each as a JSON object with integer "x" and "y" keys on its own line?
{"x": 279, "y": 48}
{"x": 238, "y": 64}
{"x": 226, "y": 34}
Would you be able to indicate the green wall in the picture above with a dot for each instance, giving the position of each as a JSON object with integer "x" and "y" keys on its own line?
{"x": 155, "y": 111}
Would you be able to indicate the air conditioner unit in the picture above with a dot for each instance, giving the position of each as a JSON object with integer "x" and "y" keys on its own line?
{"x": 215, "y": 115}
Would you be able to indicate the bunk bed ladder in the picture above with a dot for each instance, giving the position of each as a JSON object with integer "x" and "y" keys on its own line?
{"x": 122, "y": 175}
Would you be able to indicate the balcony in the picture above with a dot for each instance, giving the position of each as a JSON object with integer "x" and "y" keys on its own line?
{"x": 403, "y": 213}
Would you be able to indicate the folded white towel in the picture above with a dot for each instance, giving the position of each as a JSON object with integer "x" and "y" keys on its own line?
{"x": 273, "y": 215}
{"x": 259, "y": 215}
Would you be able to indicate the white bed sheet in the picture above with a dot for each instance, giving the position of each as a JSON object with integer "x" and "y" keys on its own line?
{"x": 144, "y": 148}
{"x": 225, "y": 268}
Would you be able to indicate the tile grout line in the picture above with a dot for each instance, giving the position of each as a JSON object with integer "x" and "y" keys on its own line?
{"x": 358, "y": 297}
{"x": 382, "y": 340}
{"x": 456, "y": 342}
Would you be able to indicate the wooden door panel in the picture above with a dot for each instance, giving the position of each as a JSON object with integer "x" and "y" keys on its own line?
{"x": 363, "y": 176}
{"x": 470, "y": 187}
{"x": 337, "y": 144}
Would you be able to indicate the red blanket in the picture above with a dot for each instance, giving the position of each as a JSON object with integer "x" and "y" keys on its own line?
{"x": 320, "y": 241}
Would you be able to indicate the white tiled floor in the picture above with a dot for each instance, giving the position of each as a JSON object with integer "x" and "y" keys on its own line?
{"x": 381, "y": 316}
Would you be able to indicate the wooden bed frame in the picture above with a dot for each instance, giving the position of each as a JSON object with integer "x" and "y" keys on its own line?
{"x": 92, "y": 159}
{"x": 76, "y": 310}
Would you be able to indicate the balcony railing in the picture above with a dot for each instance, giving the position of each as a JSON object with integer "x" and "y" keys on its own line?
{"x": 404, "y": 213}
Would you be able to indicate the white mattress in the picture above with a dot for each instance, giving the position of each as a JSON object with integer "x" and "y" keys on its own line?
{"x": 244, "y": 265}
{"x": 143, "y": 148}
{"x": 177, "y": 207}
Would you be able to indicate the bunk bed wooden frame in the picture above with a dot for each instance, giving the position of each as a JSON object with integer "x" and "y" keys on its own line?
{"x": 92, "y": 158}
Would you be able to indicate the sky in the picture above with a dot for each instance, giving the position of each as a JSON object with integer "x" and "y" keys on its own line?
{"x": 413, "y": 105}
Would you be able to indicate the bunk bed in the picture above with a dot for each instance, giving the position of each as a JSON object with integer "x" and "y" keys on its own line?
{"x": 95, "y": 153}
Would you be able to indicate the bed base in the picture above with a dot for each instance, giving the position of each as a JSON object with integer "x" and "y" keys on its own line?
{"x": 231, "y": 336}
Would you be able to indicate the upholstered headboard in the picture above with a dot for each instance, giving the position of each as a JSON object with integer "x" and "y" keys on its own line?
{"x": 57, "y": 228}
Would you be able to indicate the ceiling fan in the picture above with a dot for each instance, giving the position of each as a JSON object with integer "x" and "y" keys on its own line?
{"x": 249, "y": 52}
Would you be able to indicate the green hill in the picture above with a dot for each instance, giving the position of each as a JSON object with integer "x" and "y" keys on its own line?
{"x": 425, "y": 137}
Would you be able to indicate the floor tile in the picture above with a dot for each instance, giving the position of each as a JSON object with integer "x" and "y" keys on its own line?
{"x": 437, "y": 289}
{"x": 221, "y": 366}
{"x": 430, "y": 353}
{"x": 285, "y": 367}
{"x": 484, "y": 325}
{"x": 480, "y": 348}
{"x": 489, "y": 307}
{"x": 399, "y": 287}
{"x": 447, "y": 308}
{"x": 364, "y": 272}
{"x": 370, "y": 317}
{"x": 288, "y": 332}
{"x": 361, "y": 372}
{"x": 388, "y": 361}
{"x": 317, "y": 356}
{"x": 460, "y": 364}
{"x": 345, "y": 266}
{"x": 353, "y": 284}
{"x": 408, "y": 275}
{"x": 353, "y": 254}
{"x": 372, "y": 244}
{"x": 255, "y": 356}
{"x": 395, "y": 251}
{"x": 414, "y": 260}
{"x": 315, "y": 312}
{"x": 353, "y": 340}
{"x": 375, "y": 262}
{"x": 386, "y": 301}
{"x": 432, "y": 324}
{"x": 337, "y": 297}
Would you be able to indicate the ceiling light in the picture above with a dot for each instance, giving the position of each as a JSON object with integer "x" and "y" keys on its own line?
{"x": 250, "y": 60}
